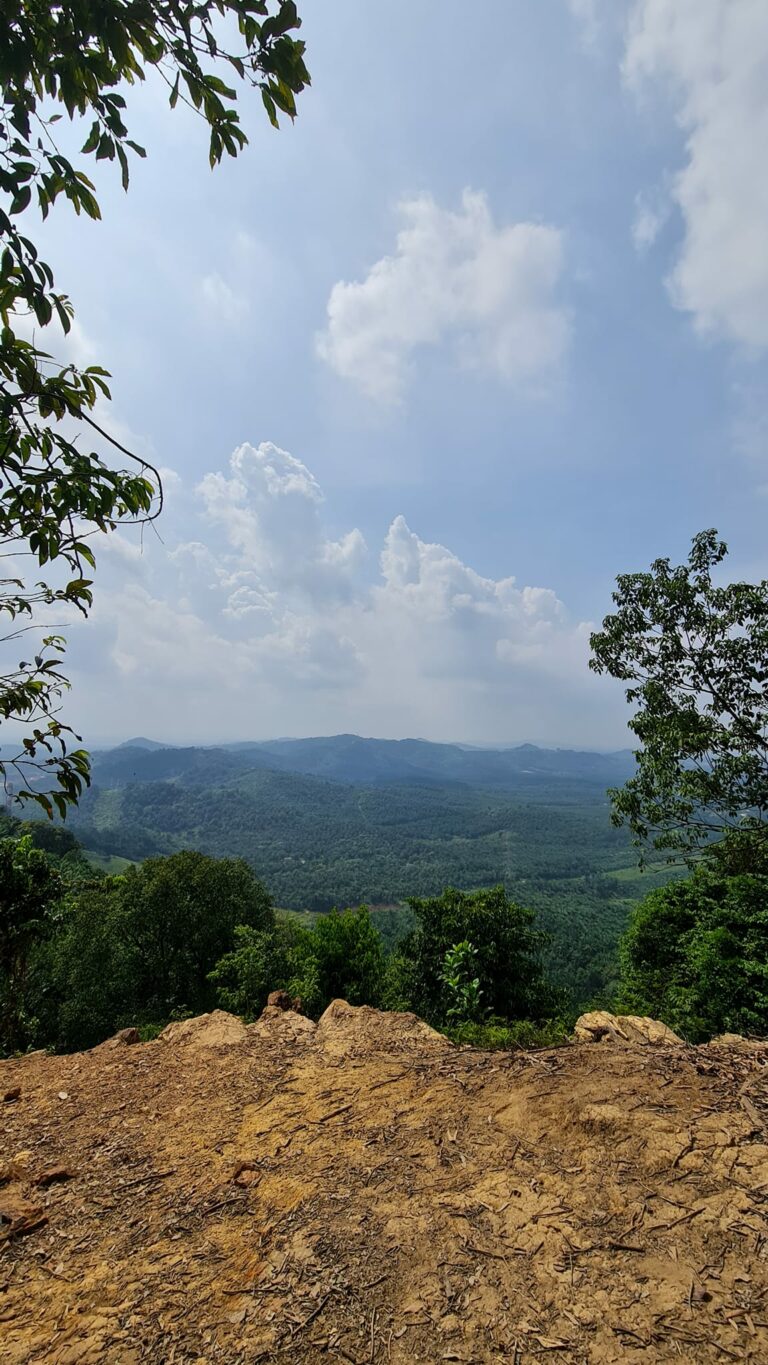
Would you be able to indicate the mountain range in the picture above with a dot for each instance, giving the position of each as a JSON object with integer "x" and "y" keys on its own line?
{"x": 367, "y": 762}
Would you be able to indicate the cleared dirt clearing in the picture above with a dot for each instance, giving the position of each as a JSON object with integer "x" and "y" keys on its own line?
{"x": 365, "y": 1192}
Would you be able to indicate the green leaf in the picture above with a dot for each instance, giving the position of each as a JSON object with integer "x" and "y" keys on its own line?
{"x": 20, "y": 200}
{"x": 92, "y": 141}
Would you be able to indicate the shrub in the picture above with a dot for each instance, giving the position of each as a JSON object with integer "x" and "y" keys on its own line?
{"x": 136, "y": 948}
{"x": 507, "y": 952}
{"x": 695, "y": 955}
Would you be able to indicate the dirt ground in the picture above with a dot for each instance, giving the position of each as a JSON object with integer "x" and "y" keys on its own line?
{"x": 365, "y": 1192}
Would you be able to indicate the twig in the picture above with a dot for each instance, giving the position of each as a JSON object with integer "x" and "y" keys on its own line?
{"x": 684, "y": 1218}
{"x": 333, "y": 1114}
{"x": 146, "y": 1179}
{"x": 481, "y": 1251}
{"x": 314, "y": 1314}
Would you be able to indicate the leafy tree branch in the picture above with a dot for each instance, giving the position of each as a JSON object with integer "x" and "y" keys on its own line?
{"x": 695, "y": 654}
{"x": 75, "y": 60}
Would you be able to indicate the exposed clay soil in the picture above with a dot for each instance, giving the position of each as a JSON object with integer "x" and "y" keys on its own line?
{"x": 365, "y": 1192}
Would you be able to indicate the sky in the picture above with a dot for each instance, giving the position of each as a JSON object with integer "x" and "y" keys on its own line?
{"x": 425, "y": 370}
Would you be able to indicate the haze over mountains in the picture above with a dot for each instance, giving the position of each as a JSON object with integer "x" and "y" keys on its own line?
{"x": 358, "y": 760}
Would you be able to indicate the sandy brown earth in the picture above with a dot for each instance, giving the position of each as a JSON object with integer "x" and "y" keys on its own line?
{"x": 364, "y": 1192}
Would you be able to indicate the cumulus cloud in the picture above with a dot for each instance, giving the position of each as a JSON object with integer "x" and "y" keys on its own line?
{"x": 711, "y": 55}
{"x": 488, "y": 292}
{"x": 269, "y": 510}
{"x": 266, "y": 624}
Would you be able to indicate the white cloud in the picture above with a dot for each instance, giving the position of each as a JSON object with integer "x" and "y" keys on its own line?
{"x": 588, "y": 14}
{"x": 269, "y": 510}
{"x": 266, "y": 624}
{"x": 651, "y": 213}
{"x": 249, "y": 270}
{"x": 712, "y": 56}
{"x": 456, "y": 278}
{"x": 221, "y": 301}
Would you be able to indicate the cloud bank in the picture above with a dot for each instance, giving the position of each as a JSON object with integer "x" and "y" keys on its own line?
{"x": 488, "y": 293}
{"x": 266, "y": 624}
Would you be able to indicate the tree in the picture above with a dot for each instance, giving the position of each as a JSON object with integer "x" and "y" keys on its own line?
{"x": 56, "y": 494}
{"x": 696, "y": 955}
{"x": 696, "y": 656}
{"x": 30, "y": 892}
{"x": 138, "y": 948}
{"x": 506, "y": 955}
{"x": 83, "y": 980}
{"x": 342, "y": 957}
{"x": 350, "y": 957}
{"x": 282, "y": 958}
{"x": 178, "y": 915}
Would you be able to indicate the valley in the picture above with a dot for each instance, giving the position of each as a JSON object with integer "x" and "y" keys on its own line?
{"x": 345, "y": 821}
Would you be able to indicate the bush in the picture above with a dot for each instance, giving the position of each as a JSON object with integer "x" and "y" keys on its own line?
{"x": 30, "y": 895}
{"x": 462, "y": 986}
{"x": 136, "y": 948}
{"x": 342, "y": 956}
{"x": 506, "y": 955}
{"x": 351, "y": 964}
{"x": 695, "y": 955}
{"x": 281, "y": 958}
{"x": 500, "y": 1034}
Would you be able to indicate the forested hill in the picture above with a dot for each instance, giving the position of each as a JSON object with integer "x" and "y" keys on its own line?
{"x": 417, "y": 818}
{"x": 354, "y": 759}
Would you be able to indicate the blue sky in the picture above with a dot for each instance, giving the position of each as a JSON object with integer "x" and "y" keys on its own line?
{"x": 495, "y": 308}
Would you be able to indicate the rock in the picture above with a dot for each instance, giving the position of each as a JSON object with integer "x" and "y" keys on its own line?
{"x": 625, "y": 1029}
{"x": 126, "y": 1037}
{"x": 281, "y": 1000}
{"x": 217, "y": 1029}
{"x": 738, "y": 1040}
{"x": 13, "y": 1094}
{"x": 18, "y": 1215}
{"x": 277, "y": 1022}
{"x": 246, "y": 1173}
{"x": 360, "y": 1028}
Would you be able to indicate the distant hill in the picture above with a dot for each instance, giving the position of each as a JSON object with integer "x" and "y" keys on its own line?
{"x": 351, "y": 758}
{"x": 130, "y": 764}
{"x": 142, "y": 743}
{"x": 367, "y": 762}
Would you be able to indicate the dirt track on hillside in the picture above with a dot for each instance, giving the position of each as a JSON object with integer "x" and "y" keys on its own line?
{"x": 364, "y": 1192}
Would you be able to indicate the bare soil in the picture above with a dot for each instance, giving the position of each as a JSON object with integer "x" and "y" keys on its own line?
{"x": 365, "y": 1192}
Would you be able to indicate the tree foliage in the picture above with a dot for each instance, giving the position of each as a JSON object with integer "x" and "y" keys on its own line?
{"x": 30, "y": 892}
{"x": 350, "y": 957}
{"x": 696, "y": 955}
{"x": 139, "y": 948}
{"x": 341, "y": 957}
{"x": 695, "y": 654}
{"x": 261, "y": 961}
{"x": 506, "y": 955}
{"x": 462, "y": 985}
{"x": 76, "y": 59}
